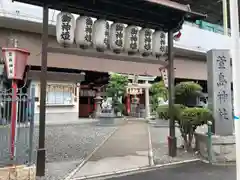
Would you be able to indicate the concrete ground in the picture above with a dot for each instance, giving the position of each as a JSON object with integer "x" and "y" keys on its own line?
{"x": 127, "y": 148}
{"x": 68, "y": 121}
{"x": 188, "y": 171}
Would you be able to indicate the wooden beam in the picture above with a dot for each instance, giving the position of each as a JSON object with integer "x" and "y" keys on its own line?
{"x": 106, "y": 55}
{"x": 57, "y": 76}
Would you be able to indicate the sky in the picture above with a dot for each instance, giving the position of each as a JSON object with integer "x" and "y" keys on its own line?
{"x": 21, "y": 9}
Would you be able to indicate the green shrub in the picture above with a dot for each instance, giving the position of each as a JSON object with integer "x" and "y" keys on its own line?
{"x": 186, "y": 93}
{"x": 195, "y": 116}
{"x": 190, "y": 119}
{"x": 163, "y": 111}
{"x": 158, "y": 90}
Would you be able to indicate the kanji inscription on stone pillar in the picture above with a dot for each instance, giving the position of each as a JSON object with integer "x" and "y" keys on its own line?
{"x": 219, "y": 90}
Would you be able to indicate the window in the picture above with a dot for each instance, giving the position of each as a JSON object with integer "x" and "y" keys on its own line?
{"x": 58, "y": 94}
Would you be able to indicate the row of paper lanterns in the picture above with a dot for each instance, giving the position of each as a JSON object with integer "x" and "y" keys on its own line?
{"x": 101, "y": 35}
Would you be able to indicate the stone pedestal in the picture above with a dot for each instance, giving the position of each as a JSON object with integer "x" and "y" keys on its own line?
{"x": 147, "y": 104}
{"x": 223, "y": 147}
{"x": 18, "y": 173}
{"x": 98, "y": 100}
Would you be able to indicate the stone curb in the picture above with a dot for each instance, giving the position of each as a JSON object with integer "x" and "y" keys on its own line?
{"x": 71, "y": 174}
{"x": 133, "y": 171}
{"x": 150, "y": 149}
{"x": 227, "y": 163}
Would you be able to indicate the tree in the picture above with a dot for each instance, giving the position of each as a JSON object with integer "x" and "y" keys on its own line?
{"x": 186, "y": 93}
{"x": 158, "y": 90}
{"x": 189, "y": 120}
{"x": 116, "y": 89}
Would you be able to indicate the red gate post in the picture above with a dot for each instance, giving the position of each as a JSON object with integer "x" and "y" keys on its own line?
{"x": 15, "y": 62}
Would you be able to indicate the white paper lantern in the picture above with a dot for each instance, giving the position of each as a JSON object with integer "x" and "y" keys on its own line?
{"x": 159, "y": 44}
{"x": 117, "y": 35}
{"x": 101, "y": 29}
{"x": 65, "y": 28}
{"x": 84, "y": 31}
{"x": 145, "y": 41}
{"x": 132, "y": 39}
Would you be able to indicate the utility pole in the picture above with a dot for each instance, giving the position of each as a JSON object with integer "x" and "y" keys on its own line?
{"x": 235, "y": 52}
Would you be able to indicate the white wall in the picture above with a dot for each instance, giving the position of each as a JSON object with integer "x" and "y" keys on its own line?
{"x": 57, "y": 112}
{"x": 202, "y": 40}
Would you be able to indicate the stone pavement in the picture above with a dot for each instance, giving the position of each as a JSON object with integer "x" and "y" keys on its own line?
{"x": 127, "y": 148}
{"x": 188, "y": 171}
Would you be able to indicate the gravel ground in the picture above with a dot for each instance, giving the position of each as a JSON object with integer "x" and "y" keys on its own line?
{"x": 160, "y": 146}
{"x": 67, "y": 145}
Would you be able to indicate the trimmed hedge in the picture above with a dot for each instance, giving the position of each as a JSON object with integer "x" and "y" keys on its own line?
{"x": 190, "y": 119}
{"x": 195, "y": 116}
{"x": 163, "y": 111}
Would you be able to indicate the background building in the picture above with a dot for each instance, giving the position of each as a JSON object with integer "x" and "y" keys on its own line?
{"x": 62, "y": 97}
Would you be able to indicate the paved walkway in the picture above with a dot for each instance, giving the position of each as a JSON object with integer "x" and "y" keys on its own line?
{"x": 127, "y": 148}
{"x": 189, "y": 171}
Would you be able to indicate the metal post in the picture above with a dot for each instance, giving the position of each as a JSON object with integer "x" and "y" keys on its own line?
{"x": 209, "y": 141}
{"x": 41, "y": 152}
{"x": 14, "y": 111}
{"x": 172, "y": 141}
{"x": 225, "y": 16}
{"x": 235, "y": 50}
{"x": 31, "y": 114}
{"x": 13, "y": 120}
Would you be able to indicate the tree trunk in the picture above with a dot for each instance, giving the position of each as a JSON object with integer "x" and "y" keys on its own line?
{"x": 190, "y": 138}
{"x": 185, "y": 139}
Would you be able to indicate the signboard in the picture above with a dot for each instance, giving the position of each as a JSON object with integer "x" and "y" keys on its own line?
{"x": 164, "y": 73}
{"x": 219, "y": 90}
{"x": 134, "y": 90}
{"x": 87, "y": 93}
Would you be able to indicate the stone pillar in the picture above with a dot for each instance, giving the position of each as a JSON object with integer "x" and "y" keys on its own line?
{"x": 147, "y": 104}
{"x": 219, "y": 90}
{"x": 98, "y": 100}
{"x": 76, "y": 99}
